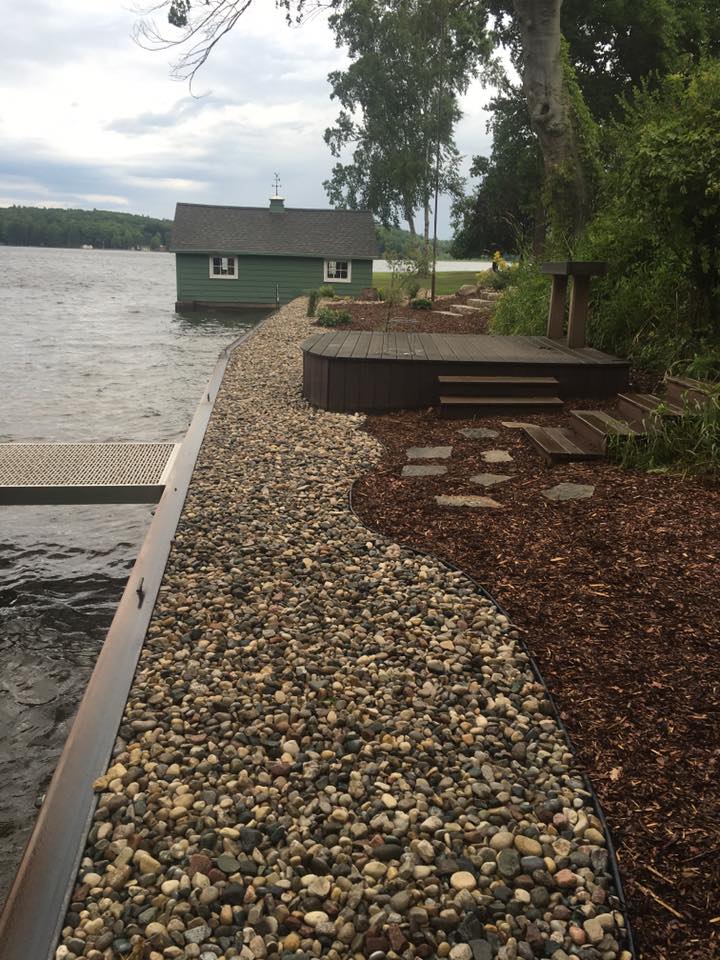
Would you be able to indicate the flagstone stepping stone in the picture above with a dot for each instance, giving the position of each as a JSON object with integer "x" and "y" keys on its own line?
{"x": 479, "y": 433}
{"x": 465, "y": 500}
{"x": 496, "y": 456}
{"x": 569, "y": 491}
{"x": 490, "y": 479}
{"x": 428, "y": 453}
{"x": 515, "y": 424}
{"x": 423, "y": 470}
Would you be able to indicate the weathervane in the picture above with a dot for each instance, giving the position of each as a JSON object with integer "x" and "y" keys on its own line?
{"x": 276, "y": 183}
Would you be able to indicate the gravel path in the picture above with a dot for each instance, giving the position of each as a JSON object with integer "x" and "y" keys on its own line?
{"x": 332, "y": 747}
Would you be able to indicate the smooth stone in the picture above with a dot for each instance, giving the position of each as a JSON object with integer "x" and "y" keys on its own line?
{"x": 423, "y": 470}
{"x": 527, "y": 846}
{"x": 481, "y": 950}
{"x": 461, "y": 952}
{"x": 375, "y": 869}
{"x": 479, "y": 433}
{"x": 569, "y": 491}
{"x": 145, "y": 863}
{"x": 508, "y": 863}
{"x": 462, "y": 880}
{"x": 428, "y": 453}
{"x": 496, "y": 456}
{"x": 198, "y": 934}
{"x": 501, "y": 840}
{"x": 447, "y": 500}
{"x": 315, "y": 917}
{"x": 227, "y": 864}
{"x": 490, "y": 479}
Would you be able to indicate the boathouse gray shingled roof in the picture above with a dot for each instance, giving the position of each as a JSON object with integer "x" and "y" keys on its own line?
{"x": 203, "y": 228}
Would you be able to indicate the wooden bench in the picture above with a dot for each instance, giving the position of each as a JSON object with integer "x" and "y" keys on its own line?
{"x": 580, "y": 271}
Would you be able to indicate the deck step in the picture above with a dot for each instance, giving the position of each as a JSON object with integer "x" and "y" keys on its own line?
{"x": 466, "y": 406}
{"x": 591, "y": 428}
{"x": 499, "y": 386}
{"x": 684, "y": 390}
{"x": 640, "y": 409}
{"x": 558, "y": 446}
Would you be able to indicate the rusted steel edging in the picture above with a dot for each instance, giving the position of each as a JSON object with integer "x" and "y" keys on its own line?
{"x": 33, "y": 914}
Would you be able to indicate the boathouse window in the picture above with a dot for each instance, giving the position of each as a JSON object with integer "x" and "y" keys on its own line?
{"x": 223, "y": 268}
{"x": 338, "y": 270}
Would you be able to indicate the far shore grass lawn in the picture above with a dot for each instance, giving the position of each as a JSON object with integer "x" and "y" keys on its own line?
{"x": 446, "y": 282}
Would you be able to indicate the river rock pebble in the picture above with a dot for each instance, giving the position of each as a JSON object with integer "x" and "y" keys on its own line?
{"x": 320, "y": 754}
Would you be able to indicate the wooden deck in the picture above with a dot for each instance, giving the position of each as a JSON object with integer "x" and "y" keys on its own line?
{"x": 347, "y": 370}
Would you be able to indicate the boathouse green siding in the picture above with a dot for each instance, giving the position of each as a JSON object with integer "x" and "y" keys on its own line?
{"x": 258, "y": 256}
{"x": 258, "y": 278}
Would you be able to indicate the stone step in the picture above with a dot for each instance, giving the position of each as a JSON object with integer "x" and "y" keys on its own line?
{"x": 558, "y": 446}
{"x": 593, "y": 427}
{"x": 498, "y": 386}
{"x": 481, "y": 302}
{"x": 686, "y": 391}
{"x": 641, "y": 409}
{"x": 468, "y": 406}
{"x": 464, "y": 308}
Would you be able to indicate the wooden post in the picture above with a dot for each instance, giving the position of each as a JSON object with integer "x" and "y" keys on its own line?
{"x": 579, "y": 302}
{"x": 556, "y": 314}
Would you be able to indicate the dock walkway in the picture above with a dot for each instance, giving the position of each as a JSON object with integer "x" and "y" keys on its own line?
{"x": 332, "y": 747}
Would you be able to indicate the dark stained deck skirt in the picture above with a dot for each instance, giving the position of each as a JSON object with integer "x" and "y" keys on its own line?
{"x": 348, "y": 370}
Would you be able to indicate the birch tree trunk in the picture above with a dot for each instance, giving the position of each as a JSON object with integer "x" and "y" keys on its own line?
{"x": 550, "y": 114}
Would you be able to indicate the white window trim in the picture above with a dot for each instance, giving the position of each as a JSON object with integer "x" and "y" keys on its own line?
{"x": 221, "y": 276}
{"x": 328, "y": 279}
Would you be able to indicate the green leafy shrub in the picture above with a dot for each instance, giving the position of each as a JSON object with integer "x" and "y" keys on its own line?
{"x": 656, "y": 224}
{"x": 687, "y": 444}
{"x": 412, "y": 288}
{"x": 421, "y": 303}
{"x": 326, "y": 291}
{"x": 327, "y": 317}
{"x": 524, "y": 308}
{"x": 705, "y": 365}
{"x": 312, "y": 303}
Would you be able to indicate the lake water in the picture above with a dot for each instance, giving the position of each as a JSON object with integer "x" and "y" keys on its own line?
{"x": 90, "y": 349}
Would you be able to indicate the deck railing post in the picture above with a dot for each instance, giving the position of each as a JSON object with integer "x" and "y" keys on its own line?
{"x": 579, "y": 302}
{"x": 556, "y": 314}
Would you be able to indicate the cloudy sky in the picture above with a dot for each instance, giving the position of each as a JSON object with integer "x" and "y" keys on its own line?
{"x": 88, "y": 119}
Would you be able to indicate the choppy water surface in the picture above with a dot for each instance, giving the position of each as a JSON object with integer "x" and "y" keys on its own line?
{"x": 90, "y": 349}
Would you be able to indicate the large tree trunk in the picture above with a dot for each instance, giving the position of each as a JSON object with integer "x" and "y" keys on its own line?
{"x": 550, "y": 114}
{"x": 409, "y": 216}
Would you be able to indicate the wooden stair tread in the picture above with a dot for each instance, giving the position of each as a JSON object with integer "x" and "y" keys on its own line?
{"x": 605, "y": 423}
{"x": 687, "y": 383}
{"x": 502, "y": 401}
{"x": 555, "y": 444}
{"x": 550, "y": 381}
{"x": 649, "y": 402}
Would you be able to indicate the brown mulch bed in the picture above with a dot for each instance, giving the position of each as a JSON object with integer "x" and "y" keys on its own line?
{"x": 619, "y": 599}
{"x": 403, "y": 319}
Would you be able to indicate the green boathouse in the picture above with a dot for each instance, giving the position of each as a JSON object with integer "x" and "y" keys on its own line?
{"x": 261, "y": 256}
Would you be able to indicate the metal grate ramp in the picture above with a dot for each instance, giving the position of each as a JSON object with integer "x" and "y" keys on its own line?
{"x": 54, "y": 473}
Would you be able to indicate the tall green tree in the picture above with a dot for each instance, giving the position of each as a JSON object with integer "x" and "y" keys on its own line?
{"x": 399, "y": 103}
{"x": 612, "y": 47}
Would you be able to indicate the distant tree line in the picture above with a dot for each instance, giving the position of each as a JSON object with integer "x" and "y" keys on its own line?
{"x": 41, "y": 227}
